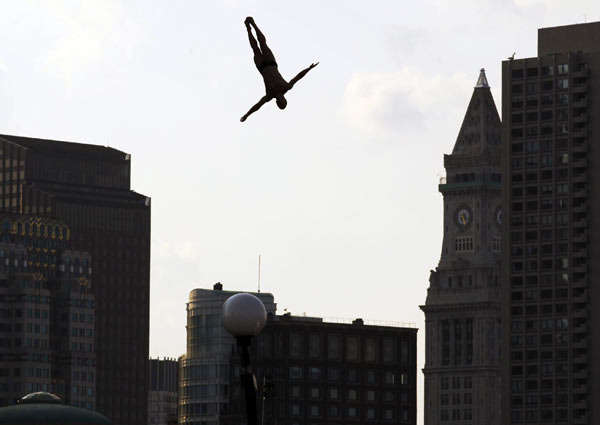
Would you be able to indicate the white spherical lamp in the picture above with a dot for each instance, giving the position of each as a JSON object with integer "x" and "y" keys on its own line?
{"x": 243, "y": 315}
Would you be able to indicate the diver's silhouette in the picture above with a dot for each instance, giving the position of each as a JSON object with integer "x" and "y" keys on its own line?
{"x": 275, "y": 85}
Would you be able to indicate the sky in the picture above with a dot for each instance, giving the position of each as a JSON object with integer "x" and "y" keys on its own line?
{"x": 337, "y": 194}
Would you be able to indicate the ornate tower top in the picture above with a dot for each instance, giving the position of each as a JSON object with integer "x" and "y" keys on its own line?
{"x": 480, "y": 130}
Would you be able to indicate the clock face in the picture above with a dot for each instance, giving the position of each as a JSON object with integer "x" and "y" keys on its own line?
{"x": 498, "y": 215}
{"x": 463, "y": 217}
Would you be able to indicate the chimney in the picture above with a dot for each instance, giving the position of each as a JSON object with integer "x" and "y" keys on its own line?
{"x": 217, "y": 286}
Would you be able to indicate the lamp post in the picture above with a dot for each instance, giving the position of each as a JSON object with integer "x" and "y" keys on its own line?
{"x": 244, "y": 315}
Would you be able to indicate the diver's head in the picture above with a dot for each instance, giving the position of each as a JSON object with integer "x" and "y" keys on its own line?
{"x": 281, "y": 102}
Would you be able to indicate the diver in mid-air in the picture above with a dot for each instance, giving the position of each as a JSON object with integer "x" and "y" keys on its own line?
{"x": 275, "y": 85}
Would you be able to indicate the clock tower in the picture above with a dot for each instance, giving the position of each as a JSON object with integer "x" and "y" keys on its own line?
{"x": 462, "y": 309}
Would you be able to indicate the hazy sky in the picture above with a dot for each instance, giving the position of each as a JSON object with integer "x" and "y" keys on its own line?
{"x": 338, "y": 193}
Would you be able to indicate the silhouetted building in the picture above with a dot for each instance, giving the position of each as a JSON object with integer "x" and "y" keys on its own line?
{"x": 551, "y": 164}
{"x": 162, "y": 397}
{"x": 88, "y": 188}
{"x": 329, "y": 373}
{"x": 462, "y": 310}
{"x": 46, "y": 313}
{"x": 204, "y": 372}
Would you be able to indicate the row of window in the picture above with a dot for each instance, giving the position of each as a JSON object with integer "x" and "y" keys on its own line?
{"x": 337, "y": 347}
{"x": 544, "y": 71}
{"x": 455, "y": 414}
{"x": 351, "y": 412}
{"x": 352, "y": 375}
{"x": 457, "y": 381}
{"x": 467, "y": 398}
{"x": 351, "y": 394}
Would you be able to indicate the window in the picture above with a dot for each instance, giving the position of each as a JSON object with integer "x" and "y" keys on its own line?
{"x": 444, "y": 384}
{"x": 315, "y": 373}
{"x": 295, "y": 345}
{"x": 462, "y": 244}
{"x": 388, "y": 350}
{"x": 496, "y": 244}
{"x": 296, "y": 372}
{"x": 352, "y": 412}
{"x": 333, "y": 394}
{"x": 333, "y": 412}
{"x": 295, "y": 410}
{"x": 352, "y": 348}
{"x": 333, "y": 374}
{"x": 389, "y": 377}
{"x": 370, "y": 395}
{"x": 370, "y": 350}
{"x": 456, "y": 383}
{"x": 315, "y": 411}
{"x": 371, "y": 413}
{"x": 352, "y": 395}
{"x": 333, "y": 347}
{"x": 314, "y": 346}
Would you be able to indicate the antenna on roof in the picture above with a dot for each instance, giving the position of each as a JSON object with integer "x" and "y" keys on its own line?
{"x": 258, "y": 272}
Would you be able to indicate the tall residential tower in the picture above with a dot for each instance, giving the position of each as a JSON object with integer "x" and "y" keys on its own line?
{"x": 551, "y": 164}
{"x": 462, "y": 310}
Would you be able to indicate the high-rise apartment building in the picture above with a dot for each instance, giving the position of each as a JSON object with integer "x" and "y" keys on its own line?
{"x": 551, "y": 169}
{"x": 462, "y": 310}
{"x": 88, "y": 188}
{"x": 46, "y": 313}
{"x": 319, "y": 372}
{"x": 204, "y": 369}
{"x": 162, "y": 397}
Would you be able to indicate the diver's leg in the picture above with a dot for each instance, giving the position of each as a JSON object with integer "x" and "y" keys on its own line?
{"x": 266, "y": 51}
{"x": 258, "y": 56}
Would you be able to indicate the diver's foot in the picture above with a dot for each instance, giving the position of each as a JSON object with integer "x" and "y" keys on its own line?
{"x": 249, "y": 20}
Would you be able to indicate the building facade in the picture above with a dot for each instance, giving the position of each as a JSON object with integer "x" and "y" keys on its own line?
{"x": 204, "y": 369}
{"x": 552, "y": 233}
{"x": 462, "y": 309}
{"x": 162, "y": 397}
{"x": 46, "y": 313}
{"x": 88, "y": 188}
{"x": 316, "y": 372}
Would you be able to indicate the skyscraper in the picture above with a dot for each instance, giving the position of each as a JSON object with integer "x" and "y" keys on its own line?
{"x": 462, "y": 310}
{"x": 551, "y": 165}
{"x": 88, "y": 188}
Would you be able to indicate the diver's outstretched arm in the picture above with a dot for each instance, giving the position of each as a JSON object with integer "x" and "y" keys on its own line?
{"x": 302, "y": 74}
{"x": 256, "y": 107}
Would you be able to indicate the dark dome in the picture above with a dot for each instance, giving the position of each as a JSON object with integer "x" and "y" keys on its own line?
{"x": 47, "y": 409}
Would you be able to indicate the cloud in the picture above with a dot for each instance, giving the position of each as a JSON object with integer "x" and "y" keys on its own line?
{"x": 3, "y": 67}
{"x": 93, "y": 39}
{"x": 406, "y": 100}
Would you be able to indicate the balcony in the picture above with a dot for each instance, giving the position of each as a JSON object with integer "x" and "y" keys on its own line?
{"x": 580, "y": 235}
{"x": 581, "y": 103}
{"x": 581, "y": 192}
{"x": 580, "y": 132}
{"x": 583, "y": 117}
{"x": 580, "y": 145}
{"x": 581, "y": 73}
{"x": 579, "y": 88}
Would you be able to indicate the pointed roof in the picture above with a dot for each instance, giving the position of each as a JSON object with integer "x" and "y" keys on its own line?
{"x": 480, "y": 130}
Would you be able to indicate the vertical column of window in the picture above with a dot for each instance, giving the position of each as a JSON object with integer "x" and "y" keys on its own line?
{"x": 516, "y": 211}
{"x": 445, "y": 355}
{"x": 469, "y": 337}
{"x": 577, "y": 273}
{"x": 458, "y": 342}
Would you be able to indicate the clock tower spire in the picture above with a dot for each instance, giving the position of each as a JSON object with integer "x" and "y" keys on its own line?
{"x": 462, "y": 309}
